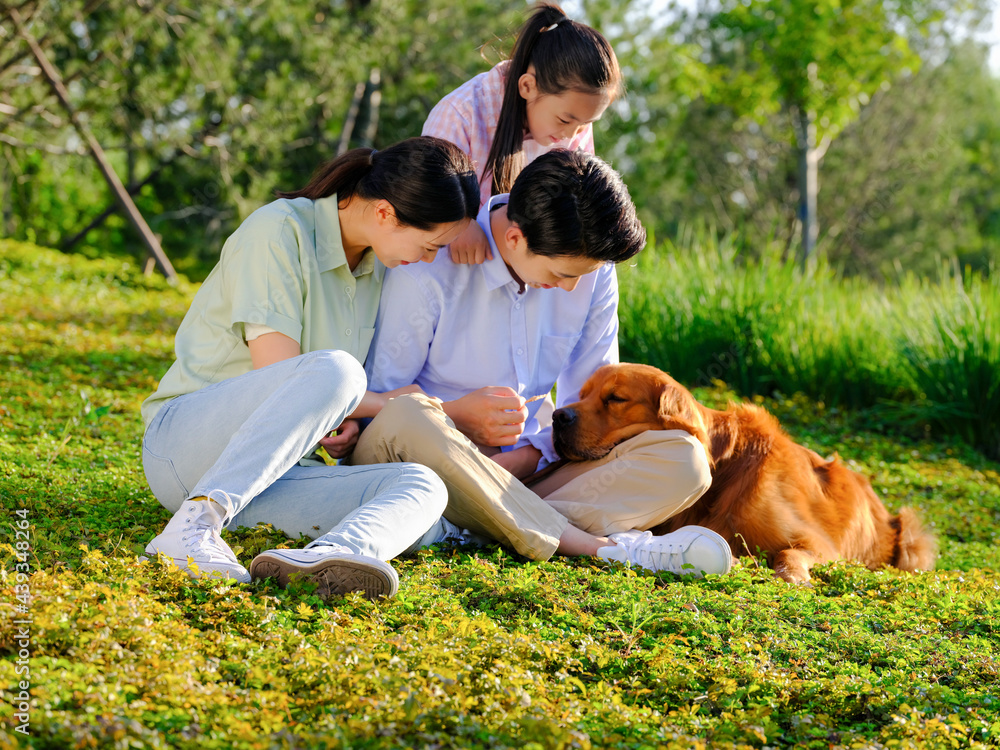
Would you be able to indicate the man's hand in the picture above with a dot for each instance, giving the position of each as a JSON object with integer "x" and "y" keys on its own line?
{"x": 341, "y": 442}
{"x": 521, "y": 462}
{"x": 494, "y": 415}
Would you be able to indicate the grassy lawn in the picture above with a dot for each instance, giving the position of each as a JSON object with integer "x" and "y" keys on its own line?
{"x": 480, "y": 648}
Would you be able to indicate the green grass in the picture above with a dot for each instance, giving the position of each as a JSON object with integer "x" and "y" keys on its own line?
{"x": 480, "y": 648}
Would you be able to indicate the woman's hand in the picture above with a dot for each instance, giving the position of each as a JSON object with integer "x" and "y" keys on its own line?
{"x": 493, "y": 416}
{"x": 341, "y": 442}
{"x": 471, "y": 247}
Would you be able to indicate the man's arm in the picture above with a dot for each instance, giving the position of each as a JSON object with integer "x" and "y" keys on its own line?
{"x": 407, "y": 323}
{"x": 407, "y": 318}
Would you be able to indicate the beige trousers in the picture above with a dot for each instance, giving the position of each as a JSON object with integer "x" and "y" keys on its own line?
{"x": 641, "y": 483}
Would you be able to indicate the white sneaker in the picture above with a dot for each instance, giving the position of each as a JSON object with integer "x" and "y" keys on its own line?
{"x": 193, "y": 533}
{"x": 692, "y": 549}
{"x": 458, "y": 536}
{"x": 336, "y": 569}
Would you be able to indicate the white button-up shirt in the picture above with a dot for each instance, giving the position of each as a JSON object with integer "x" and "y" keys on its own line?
{"x": 453, "y": 328}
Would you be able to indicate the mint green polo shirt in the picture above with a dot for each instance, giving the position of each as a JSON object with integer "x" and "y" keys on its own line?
{"x": 284, "y": 268}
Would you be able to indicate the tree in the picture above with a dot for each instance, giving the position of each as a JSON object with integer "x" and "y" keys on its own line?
{"x": 817, "y": 61}
{"x": 930, "y": 187}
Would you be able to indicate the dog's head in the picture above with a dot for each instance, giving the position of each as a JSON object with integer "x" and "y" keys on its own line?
{"x": 618, "y": 402}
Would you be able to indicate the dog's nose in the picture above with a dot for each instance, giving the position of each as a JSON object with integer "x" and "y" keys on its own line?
{"x": 564, "y": 417}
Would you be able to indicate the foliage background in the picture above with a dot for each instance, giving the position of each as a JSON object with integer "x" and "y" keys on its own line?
{"x": 208, "y": 109}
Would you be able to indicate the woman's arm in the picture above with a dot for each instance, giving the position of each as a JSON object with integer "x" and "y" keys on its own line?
{"x": 272, "y": 347}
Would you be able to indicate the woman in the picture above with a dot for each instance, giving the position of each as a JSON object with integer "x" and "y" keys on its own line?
{"x": 269, "y": 363}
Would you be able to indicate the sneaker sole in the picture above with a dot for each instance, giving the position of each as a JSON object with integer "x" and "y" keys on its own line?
{"x": 334, "y": 577}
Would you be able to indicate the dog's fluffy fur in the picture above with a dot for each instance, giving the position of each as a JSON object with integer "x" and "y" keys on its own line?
{"x": 767, "y": 493}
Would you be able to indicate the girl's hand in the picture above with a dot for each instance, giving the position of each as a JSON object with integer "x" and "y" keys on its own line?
{"x": 342, "y": 441}
{"x": 492, "y": 416}
{"x": 471, "y": 247}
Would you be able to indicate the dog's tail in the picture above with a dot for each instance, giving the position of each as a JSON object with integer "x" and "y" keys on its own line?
{"x": 916, "y": 549}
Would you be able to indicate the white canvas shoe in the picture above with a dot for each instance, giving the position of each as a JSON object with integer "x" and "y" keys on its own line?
{"x": 335, "y": 569}
{"x": 692, "y": 549}
{"x": 193, "y": 533}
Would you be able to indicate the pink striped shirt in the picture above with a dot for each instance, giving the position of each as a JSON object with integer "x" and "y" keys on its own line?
{"x": 468, "y": 118}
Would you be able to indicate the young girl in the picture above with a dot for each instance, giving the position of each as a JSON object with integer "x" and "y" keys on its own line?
{"x": 269, "y": 361}
{"x": 560, "y": 79}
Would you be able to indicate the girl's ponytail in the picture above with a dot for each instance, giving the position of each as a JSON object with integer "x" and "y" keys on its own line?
{"x": 428, "y": 181}
{"x": 506, "y": 158}
{"x": 567, "y": 56}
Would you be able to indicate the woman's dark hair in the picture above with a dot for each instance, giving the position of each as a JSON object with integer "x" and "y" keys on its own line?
{"x": 568, "y": 57}
{"x": 428, "y": 181}
{"x": 570, "y": 203}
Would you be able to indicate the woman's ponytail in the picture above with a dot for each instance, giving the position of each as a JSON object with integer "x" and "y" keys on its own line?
{"x": 567, "y": 56}
{"x": 428, "y": 181}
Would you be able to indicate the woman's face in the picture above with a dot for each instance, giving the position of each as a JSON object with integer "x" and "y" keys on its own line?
{"x": 554, "y": 119}
{"x": 397, "y": 245}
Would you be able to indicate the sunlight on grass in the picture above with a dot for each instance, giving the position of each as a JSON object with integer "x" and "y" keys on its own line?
{"x": 480, "y": 649}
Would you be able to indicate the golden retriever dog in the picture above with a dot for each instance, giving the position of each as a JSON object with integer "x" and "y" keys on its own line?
{"x": 767, "y": 493}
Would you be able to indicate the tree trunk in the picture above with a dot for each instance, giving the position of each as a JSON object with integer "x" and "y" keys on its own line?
{"x": 808, "y": 183}
{"x": 347, "y": 132}
{"x": 132, "y": 213}
{"x": 372, "y": 102}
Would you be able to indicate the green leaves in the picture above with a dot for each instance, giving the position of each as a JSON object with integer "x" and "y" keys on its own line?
{"x": 825, "y": 57}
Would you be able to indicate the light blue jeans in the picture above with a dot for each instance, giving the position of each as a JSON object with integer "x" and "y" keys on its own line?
{"x": 239, "y": 442}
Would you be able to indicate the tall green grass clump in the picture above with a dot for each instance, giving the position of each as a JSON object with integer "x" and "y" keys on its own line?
{"x": 695, "y": 308}
{"x": 917, "y": 353}
{"x": 952, "y": 350}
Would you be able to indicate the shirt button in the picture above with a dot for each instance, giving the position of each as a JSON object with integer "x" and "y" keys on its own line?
{"x": 517, "y": 306}
{"x": 348, "y": 290}
{"x": 347, "y": 332}
{"x": 520, "y": 352}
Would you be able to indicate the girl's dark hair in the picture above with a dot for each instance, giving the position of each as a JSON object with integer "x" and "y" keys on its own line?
{"x": 428, "y": 181}
{"x": 570, "y": 203}
{"x": 569, "y": 57}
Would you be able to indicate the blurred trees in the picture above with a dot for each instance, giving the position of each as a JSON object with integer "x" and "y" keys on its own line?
{"x": 206, "y": 109}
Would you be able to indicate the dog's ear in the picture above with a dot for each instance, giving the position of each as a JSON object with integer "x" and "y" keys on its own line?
{"x": 679, "y": 411}
{"x": 723, "y": 440}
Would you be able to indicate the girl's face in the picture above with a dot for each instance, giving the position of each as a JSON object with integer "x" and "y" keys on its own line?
{"x": 554, "y": 119}
{"x": 544, "y": 271}
{"x": 397, "y": 245}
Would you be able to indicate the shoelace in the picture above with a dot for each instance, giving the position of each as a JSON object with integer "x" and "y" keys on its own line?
{"x": 323, "y": 550}
{"x": 650, "y": 557}
{"x": 208, "y": 540}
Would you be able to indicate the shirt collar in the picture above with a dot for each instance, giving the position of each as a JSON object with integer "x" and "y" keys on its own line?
{"x": 495, "y": 270}
{"x": 330, "y": 245}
